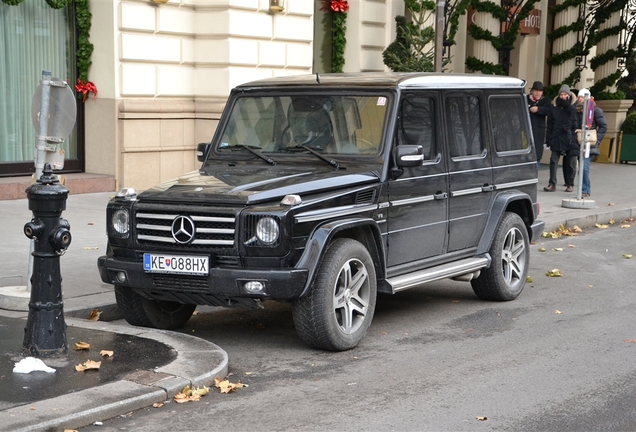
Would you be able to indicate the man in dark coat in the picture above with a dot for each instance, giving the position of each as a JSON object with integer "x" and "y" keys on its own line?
{"x": 539, "y": 106}
{"x": 561, "y": 138}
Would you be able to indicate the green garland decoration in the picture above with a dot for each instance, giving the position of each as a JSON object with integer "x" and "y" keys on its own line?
{"x": 503, "y": 41}
{"x": 460, "y": 9}
{"x": 83, "y": 22}
{"x": 339, "y": 41}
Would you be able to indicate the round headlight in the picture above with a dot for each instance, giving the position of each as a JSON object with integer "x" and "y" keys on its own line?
{"x": 267, "y": 230}
{"x": 120, "y": 221}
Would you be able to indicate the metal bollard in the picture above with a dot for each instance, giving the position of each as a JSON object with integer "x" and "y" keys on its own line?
{"x": 45, "y": 331}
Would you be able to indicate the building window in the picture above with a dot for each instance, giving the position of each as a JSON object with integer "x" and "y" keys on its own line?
{"x": 33, "y": 37}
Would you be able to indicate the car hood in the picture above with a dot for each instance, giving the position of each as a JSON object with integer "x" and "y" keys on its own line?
{"x": 250, "y": 185}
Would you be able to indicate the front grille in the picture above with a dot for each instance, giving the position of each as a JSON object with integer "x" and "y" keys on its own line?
{"x": 180, "y": 283}
{"x": 212, "y": 230}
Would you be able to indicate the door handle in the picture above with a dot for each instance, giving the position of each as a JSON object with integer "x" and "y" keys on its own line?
{"x": 440, "y": 196}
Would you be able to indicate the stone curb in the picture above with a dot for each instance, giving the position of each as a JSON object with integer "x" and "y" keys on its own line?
{"x": 591, "y": 219}
{"x": 198, "y": 363}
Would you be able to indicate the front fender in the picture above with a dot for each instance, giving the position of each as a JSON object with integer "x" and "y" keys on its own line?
{"x": 517, "y": 202}
{"x": 322, "y": 235}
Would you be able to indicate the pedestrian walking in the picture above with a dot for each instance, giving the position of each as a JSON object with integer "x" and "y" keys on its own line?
{"x": 539, "y": 107}
{"x": 595, "y": 120}
{"x": 561, "y": 138}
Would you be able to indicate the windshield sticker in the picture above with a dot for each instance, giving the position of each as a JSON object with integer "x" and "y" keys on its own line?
{"x": 381, "y": 101}
{"x": 224, "y": 145}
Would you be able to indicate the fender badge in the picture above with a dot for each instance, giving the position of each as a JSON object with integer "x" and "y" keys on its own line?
{"x": 199, "y": 189}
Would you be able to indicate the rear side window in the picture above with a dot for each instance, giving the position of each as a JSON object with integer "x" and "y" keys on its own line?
{"x": 463, "y": 114}
{"x": 509, "y": 126}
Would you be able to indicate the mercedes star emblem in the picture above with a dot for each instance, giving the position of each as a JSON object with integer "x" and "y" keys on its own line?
{"x": 183, "y": 229}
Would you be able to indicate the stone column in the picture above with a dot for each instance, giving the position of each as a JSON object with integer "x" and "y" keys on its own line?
{"x": 604, "y": 45}
{"x": 483, "y": 50}
{"x": 561, "y": 19}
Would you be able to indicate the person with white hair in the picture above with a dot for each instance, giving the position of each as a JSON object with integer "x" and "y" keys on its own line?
{"x": 595, "y": 119}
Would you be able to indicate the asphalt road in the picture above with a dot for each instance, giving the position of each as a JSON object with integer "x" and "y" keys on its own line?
{"x": 560, "y": 357}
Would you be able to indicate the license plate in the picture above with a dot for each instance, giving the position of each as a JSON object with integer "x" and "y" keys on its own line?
{"x": 181, "y": 264}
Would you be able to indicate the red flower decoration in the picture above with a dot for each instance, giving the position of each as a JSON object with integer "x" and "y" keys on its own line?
{"x": 85, "y": 89}
{"x": 339, "y": 5}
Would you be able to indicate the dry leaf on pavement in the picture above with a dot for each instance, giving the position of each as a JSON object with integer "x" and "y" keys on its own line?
{"x": 94, "y": 316}
{"x": 629, "y": 340}
{"x": 482, "y": 418}
{"x": 554, "y": 273}
{"x": 79, "y": 346}
{"x": 191, "y": 394}
{"x": 157, "y": 404}
{"x": 557, "y": 249}
{"x": 529, "y": 279}
{"x": 600, "y": 226}
{"x": 558, "y": 312}
{"x": 106, "y": 353}
{"x": 627, "y": 256}
{"x": 542, "y": 249}
{"x": 226, "y": 387}
{"x": 625, "y": 226}
{"x": 87, "y": 365}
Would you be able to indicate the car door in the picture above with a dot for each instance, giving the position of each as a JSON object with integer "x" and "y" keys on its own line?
{"x": 470, "y": 168}
{"x": 418, "y": 196}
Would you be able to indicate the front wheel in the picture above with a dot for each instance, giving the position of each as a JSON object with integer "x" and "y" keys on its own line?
{"x": 141, "y": 311}
{"x": 338, "y": 310}
{"x": 510, "y": 251}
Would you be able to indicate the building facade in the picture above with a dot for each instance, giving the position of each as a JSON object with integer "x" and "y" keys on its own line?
{"x": 163, "y": 69}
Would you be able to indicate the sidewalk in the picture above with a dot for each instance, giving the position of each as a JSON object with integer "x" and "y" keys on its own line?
{"x": 117, "y": 388}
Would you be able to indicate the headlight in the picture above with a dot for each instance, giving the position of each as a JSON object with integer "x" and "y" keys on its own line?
{"x": 267, "y": 230}
{"x": 121, "y": 222}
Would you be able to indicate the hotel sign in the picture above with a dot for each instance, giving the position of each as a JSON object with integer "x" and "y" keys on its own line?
{"x": 531, "y": 25}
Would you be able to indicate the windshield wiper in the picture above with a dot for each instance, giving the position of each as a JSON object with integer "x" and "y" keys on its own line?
{"x": 331, "y": 162}
{"x": 267, "y": 159}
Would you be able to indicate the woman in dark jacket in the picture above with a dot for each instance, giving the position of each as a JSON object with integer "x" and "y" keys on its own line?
{"x": 561, "y": 138}
{"x": 539, "y": 107}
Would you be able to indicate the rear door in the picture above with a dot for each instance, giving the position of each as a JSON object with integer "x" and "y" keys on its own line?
{"x": 470, "y": 167}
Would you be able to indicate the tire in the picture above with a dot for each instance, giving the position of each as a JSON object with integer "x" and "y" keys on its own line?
{"x": 510, "y": 251}
{"x": 140, "y": 311}
{"x": 339, "y": 307}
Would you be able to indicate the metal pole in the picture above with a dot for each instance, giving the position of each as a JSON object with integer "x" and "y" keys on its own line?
{"x": 583, "y": 147}
{"x": 439, "y": 34}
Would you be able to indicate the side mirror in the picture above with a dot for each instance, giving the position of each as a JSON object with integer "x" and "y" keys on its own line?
{"x": 203, "y": 149}
{"x": 409, "y": 155}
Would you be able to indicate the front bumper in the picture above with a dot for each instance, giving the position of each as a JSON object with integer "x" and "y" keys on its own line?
{"x": 221, "y": 282}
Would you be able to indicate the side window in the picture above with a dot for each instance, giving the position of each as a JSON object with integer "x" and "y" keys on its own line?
{"x": 417, "y": 124}
{"x": 464, "y": 126}
{"x": 509, "y": 129}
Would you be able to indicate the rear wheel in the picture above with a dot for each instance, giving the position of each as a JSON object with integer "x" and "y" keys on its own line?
{"x": 140, "y": 311}
{"x": 505, "y": 278}
{"x": 338, "y": 310}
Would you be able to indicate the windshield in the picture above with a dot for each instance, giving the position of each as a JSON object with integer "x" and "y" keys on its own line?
{"x": 336, "y": 125}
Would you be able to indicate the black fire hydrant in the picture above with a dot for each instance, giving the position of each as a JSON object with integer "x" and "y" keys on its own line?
{"x": 45, "y": 332}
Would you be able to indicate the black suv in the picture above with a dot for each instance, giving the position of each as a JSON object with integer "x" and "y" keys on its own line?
{"x": 325, "y": 190}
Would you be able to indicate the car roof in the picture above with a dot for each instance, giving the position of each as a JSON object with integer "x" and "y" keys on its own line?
{"x": 404, "y": 80}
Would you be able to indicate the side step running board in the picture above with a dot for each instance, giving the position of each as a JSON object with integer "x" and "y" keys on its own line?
{"x": 410, "y": 280}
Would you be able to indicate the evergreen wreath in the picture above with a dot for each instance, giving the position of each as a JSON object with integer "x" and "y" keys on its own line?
{"x": 83, "y": 22}
{"x": 338, "y": 11}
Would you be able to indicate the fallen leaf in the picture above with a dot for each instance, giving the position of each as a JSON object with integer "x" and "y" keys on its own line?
{"x": 541, "y": 249}
{"x": 226, "y": 387}
{"x": 106, "y": 353}
{"x": 191, "y": 395}
{"x": 612, "y": 222}
{"x": 558, "y": 249}
{"x": 600, "y": 226}
{"x": 90, "y": 223}
{"x": 89, "y": 364}
{"x": 196, "y": 312}
{"x": 32, "y": 408}
{"x": 628, "y": 220}
{"x": 629, "y": 340}
{"x": 627, "y": 256}
{"x": 94, "y": 316}
{"x": 610, "y": 204}
{"x": 90, "y": 248}
{"x": 79, "y": 346}
{"x": 558, "y": 312}
{"x": 625, "y": 226}
{"x": 70, "y": 430}
{"x": 576, "y": 229}
{"x": 529, "y": 279}
{"x": 571, "y": 246}
{"x": 248, "y": 373}
{"x": 482, "y": 418}
{"x": 554, "y": 273}
{"x": 157, "y": 404}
